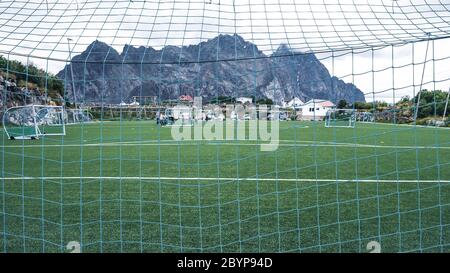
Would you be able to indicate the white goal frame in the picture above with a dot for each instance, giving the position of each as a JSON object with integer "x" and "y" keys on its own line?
{"x": 36, "y": 123}
{"x": 349, "y": 120}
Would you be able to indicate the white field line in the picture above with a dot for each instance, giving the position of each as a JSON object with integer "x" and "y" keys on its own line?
{"x": 107, "y": 123}
{"x": 220, "y": 179}
{"x": 123, "y": 124}
{"x": 284, "y": 143}
{"x": 113, "y": 124}
{"x": 412, "y": 126}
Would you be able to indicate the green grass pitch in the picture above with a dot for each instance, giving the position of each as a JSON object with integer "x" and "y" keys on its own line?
{"x": 127, "y": 186}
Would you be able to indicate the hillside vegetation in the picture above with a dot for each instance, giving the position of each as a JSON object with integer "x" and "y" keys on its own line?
{"x": 30, "y": 77}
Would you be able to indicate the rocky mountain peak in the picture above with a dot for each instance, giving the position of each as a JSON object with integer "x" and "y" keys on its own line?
{"x": 226, "y": 65}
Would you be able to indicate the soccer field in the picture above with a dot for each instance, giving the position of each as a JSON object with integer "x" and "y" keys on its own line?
{"x": 127, "y": 186}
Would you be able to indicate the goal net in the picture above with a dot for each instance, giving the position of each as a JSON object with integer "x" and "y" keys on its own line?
{"x": 76, "y": 116}
{"x": 340, "y": 118}
{"x": 33, "y": 121}
{"x": 244, "y": 126}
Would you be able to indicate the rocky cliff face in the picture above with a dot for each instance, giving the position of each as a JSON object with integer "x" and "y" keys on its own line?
{"x": 101, "y": 74}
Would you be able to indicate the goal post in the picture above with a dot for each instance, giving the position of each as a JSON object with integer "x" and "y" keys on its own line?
{"x": 50, "y": 120}
{"x": 345, "y": 118}
{"x": 33, "y": 121}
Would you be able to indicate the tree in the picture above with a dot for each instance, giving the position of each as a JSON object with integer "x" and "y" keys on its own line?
{"x": 222, "y": 99}
{"x": 30, "y": 74}
{"x": 431, "y": 103}
{"x": 405, "y": 99}
{"x": 342, "y": 104}
{"x": 363, "y": 105}
{"x": 264, "y": 101}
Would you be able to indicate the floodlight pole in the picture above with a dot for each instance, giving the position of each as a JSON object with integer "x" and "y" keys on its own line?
{"x": 71, "y": 72}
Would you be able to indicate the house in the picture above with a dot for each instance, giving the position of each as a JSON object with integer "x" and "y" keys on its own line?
{"x": 244, "y": 100}
{"x": 185, "y": 98}
{"x": 295, "y": 102}
{"x": 132, "y": 104}
{"x": 314, "y": 109}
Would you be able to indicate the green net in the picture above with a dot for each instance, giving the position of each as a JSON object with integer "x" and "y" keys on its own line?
{"x": 217, "y": 126}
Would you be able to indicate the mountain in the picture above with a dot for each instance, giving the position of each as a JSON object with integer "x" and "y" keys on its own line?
{"x": 101, "y": 74}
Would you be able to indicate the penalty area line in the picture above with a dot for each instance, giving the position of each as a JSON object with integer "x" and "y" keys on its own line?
{"x": 222, "y": 179}
{"x": 192, "y": 143}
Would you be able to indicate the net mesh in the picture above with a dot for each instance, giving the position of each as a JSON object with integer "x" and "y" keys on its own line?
{"x": 120, "y": 181}
{"x": 77, "y": 116}
{"x": 341, "y": 118}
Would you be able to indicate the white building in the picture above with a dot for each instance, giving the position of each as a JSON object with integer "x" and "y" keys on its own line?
{"x": 314, "y": 109}
{"x": 132, "y": 104}
{"x": 244, "y": 100}
{"x": 293, "y": 103}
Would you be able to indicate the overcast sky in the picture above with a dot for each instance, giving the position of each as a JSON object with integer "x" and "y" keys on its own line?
{"x": 31, "y": 32}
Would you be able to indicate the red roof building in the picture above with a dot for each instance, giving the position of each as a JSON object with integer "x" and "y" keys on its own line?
{"x": 186, "y": 98}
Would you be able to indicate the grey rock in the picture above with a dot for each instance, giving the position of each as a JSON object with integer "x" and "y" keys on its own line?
{"x": 224, "y": 66}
